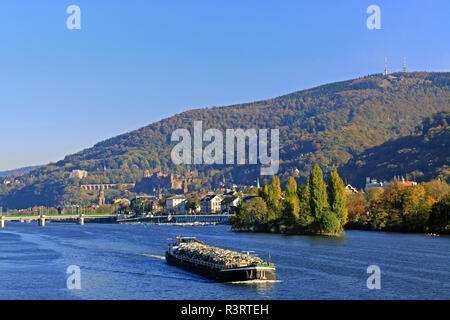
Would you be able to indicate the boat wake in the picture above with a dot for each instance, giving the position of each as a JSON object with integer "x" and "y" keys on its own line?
{"x": 154, "y": 256}
{"x": 256, "y": 281}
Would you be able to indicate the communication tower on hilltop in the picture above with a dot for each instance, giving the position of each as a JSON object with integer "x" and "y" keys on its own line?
{"x": 404, "y": 64}
{"x": 385, "y": 66}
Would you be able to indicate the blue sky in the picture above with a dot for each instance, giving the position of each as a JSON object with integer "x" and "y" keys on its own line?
{"x": 136, "y": 62}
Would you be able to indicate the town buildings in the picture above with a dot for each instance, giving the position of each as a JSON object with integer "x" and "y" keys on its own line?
{"x": 211, "y": 204}
{"x": 229, "y": 205}
{"x": 400, "y": 181}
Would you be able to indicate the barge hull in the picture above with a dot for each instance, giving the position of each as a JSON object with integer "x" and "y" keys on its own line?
{"x": 223, "y": 275}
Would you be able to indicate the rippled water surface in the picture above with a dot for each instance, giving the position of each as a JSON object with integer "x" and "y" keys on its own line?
{"x": 127, "y": 262}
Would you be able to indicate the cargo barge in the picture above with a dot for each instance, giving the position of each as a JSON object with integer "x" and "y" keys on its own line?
{"x": 217, "y": 264}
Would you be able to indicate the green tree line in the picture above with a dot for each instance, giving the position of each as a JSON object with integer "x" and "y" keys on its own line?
{"x": 311, "y": 208}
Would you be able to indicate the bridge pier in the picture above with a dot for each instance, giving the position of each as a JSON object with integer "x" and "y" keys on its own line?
{"x": 2, "y": 222}
{"x": 41, "y": 221}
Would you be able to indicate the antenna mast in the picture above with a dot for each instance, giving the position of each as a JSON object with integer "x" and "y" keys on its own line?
{"x": 385, "y": 66}
{"x": 404, "y": 64}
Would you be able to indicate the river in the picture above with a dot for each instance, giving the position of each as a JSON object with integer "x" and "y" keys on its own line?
{"x": 127, "y": 262}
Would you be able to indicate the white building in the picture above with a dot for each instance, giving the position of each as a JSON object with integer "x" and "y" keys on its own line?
{"x": 176, "y": 205}
{"x": 211, "y": 204}
{"x": 350, "y": 189}
{"x": 80, "y": 174}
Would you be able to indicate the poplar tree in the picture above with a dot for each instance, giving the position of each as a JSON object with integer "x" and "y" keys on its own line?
{"x": 264, "y": 192}
{"x": 318, "y": 196}
{"x": 291, "y": 186}
{"x": 291, "y": 210}
{"x": 275, "y": 194}
{"x": 291, "y": 206}
{"x": 305, "y": 217}
{"x": 276, "y": 188}
{"x": 337, "y": 199}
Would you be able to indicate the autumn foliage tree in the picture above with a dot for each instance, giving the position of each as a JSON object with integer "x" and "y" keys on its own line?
{"x": 419, "y": 208}
{"x": 291, "y": 203}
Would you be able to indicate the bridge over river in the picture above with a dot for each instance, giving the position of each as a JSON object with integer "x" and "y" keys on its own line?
{"x": 115, "y": 218}
{"x": 42, "y": 219}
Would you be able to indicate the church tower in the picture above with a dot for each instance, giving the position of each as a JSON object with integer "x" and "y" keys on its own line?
{"x": 185, "y": 186}
{"x": 101, "y": 198}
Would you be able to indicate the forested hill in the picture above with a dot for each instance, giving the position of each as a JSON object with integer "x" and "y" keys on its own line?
{"x": 17, "y": 171}
{"x": 327, "y": 125}
{"x": 423, "y": 155}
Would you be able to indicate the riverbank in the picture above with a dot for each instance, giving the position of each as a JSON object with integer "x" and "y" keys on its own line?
{"x": 393, "y": 230}
{"x": 173, "y": 223}
{"x": 340, "y": 235}
{"x": 294, "y": 233}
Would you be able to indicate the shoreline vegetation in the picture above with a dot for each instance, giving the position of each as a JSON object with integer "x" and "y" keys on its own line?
{"x": 319, "y": 209}
{"x": 328, "y": 210}
{"x": 311, "y": 209}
